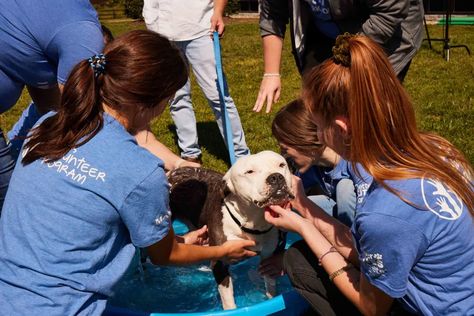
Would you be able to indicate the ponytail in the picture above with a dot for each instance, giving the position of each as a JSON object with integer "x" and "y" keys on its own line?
{"x": 77, "y": 120}
{"x": 359, "y": 83}
{"x": 140, "y": 69}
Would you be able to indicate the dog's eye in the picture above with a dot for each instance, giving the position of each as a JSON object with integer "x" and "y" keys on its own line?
{"x": 249, "y": 172}
{"x": 282, "y": 165}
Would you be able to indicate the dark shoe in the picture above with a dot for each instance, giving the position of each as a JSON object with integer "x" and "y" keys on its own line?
{"x": 193, "y": 159}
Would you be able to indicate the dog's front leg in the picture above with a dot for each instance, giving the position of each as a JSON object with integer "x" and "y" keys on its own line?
{"x": 223, "y": 279}
{"x": 270, "y": 283}
{"x": 270, "y": 286}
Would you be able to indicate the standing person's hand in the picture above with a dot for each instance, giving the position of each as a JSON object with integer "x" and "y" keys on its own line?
{"x": 269, "y": 92}
{"x": 217, "y": 24}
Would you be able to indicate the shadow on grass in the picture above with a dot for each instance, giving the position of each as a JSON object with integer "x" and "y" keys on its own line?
{"x": 210, "y": 140}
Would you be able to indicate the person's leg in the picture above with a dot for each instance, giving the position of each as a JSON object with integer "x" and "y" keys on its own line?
{"x": 7, "y": 163}
{"x": 312, "y": 282}
{"x": 401, "y": 75}
{"x": 200, "y": 53}
{"x": 182, "y": 113}
{"x": 19, "y": 131}
{"x": 45, "y": 99}
{"x": 324, "y": 202}
{"x": 345, "y": 201}
{"x": 10, "y": 91}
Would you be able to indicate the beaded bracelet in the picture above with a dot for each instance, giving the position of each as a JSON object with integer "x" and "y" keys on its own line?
{"x": 339, "y": 272}
{"x": 332, "y": 249}
{"x": 270, "y": 74}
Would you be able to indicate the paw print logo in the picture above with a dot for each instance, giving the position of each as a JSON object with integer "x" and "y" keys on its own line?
{"x": 374, "y": 262}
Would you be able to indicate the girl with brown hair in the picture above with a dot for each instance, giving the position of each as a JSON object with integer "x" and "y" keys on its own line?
{"x": 85, "y": 194}
{"x": 410, "y": 248}
{"x": 322, "y": 171}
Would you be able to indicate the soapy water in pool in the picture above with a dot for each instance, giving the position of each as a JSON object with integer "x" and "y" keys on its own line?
{"x": 189, "y": 289}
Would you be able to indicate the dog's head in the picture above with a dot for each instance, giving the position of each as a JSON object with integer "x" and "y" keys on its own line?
{"x": 262, "y": 179}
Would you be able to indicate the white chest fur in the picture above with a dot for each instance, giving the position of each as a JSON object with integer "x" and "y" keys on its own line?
{"x": 266, "y": 242}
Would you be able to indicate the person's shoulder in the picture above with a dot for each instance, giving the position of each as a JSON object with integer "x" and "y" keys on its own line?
{"x": 123, "y": 150}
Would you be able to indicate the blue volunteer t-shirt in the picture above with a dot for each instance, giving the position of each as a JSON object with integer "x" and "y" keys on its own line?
{"x": 42, "y": 40}
{"x": 69, "y": 228}
{"x": 419, "y": 252}
{"x": 325, "y": 177}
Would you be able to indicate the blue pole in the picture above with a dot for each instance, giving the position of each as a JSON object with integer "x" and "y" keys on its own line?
{"x": 225, "y": 116}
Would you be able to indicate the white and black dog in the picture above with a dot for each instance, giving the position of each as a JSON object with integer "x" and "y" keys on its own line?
{"x": 232, "y": 207}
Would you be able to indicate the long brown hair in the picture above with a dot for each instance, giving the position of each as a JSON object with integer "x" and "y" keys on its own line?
{"x": 142, "y": 69}
{"x": 360, "y": 84}
{"x": 294, "y": 127}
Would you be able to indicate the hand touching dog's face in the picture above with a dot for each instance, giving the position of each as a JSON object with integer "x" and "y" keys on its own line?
{"x": 262, "y": 179}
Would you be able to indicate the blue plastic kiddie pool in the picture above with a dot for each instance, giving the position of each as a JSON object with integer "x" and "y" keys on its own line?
{"x": 193, "y": 291}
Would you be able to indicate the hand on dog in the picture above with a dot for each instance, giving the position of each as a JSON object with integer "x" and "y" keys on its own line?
{"x": 235, "y": 250}
{"x": 272, "y": 266}
{"x": 298, "y": 191}
{"x": 284, "y": 218}
{"x": 197, "y": 237}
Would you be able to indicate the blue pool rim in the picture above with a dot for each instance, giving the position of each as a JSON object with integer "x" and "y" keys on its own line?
{"x": 286, "y": 304}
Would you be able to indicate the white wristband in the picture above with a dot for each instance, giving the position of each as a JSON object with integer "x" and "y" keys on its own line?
{"x": 270, "y": 74}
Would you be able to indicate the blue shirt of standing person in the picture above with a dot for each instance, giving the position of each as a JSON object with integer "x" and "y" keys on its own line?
{"x": 85, "y": 194}
{"x": 41, "y": 41}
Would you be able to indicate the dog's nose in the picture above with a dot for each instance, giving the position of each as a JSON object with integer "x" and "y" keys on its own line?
{"x": 275, "y": 178}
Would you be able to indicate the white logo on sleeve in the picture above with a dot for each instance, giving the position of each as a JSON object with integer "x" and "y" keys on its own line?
{"x": 160, "y": 219}
{"x": 448, "y": 205}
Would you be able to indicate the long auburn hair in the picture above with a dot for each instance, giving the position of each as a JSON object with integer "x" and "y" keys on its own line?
{"x": 142, "y": 70}
{"x": 294, "y": 127}
{"x": 363, "y": 87}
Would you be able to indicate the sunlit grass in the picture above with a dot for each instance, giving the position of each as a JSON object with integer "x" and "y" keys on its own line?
{"x": 442, "y": 92}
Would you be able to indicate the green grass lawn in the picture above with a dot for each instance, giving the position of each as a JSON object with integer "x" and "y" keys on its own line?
{"x": 442, "y": 92}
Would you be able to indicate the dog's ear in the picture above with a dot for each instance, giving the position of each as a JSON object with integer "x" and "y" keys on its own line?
{"x": 224, "y": 189}
{"x": 227, "y": 186}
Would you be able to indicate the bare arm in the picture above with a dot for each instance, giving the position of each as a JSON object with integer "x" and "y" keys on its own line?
{"x": 147, "y": 140}
{"x": 217, "y": 20}
{"x": 336, "y": 233}
{"x": 169, "y": 252}
{"x": 351, "y": 282}
{"x": 270, "y": 86}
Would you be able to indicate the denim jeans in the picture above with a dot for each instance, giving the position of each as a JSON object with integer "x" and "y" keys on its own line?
{"x": 7, "y": 163}
{"x": 199, "y": 53}
{"x": 344, "y": 207}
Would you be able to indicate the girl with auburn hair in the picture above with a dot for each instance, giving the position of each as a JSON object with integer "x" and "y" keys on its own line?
{"x": 86, "y": 194}
{"x": 410, "y": 248}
